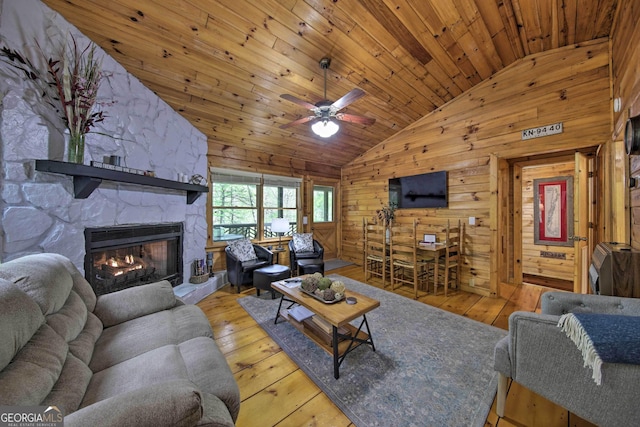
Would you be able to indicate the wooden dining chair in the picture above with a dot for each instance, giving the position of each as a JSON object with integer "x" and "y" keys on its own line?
{"x": 451, "y": 261}
{"x": 406, "y": 267}
{"x": 376, "y": 258}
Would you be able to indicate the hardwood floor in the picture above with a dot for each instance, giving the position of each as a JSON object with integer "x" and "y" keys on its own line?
{"x": 275, "y": 392}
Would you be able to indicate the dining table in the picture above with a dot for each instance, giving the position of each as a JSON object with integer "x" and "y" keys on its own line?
{"x": 433, "y": 251}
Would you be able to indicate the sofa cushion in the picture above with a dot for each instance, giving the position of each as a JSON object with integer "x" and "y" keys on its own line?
{"x": 70, "y": 319}
{"x": 242, "y": 249}
{"x": 20, "y": 318}
{"x": 82, "y": 347}
{"x": 303, "y": 242}
{"x": 126, "y": 340}
{"x": 30, "y": 377}
{"x": 150, "y": 368}
{"x": 198, "y": 360}
{"x": 68, "y": 391}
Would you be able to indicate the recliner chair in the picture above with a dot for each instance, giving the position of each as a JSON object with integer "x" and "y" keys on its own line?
{"x": 241, "y": 273}
{"x": 318, "y": 253}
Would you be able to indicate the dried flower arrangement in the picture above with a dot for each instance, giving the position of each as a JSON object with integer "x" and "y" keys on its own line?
{"x": 385, "y": 214}
{"x": 69, "y": 85}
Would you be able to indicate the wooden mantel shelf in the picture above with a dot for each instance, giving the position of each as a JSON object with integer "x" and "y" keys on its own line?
{"x": 88, "y": 178}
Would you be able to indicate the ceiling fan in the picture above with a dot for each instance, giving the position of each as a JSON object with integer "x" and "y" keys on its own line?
{"x": 325, "y": 112}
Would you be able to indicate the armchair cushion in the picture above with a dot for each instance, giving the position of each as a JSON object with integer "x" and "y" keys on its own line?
{"x": 242, "y": 249}
{"x": 303, "y": 242}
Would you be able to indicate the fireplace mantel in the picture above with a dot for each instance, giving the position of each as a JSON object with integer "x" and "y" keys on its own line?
{"x": 88, "y": 178}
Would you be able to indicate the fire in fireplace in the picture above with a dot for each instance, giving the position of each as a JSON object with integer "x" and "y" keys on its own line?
{"x": 125, "y": 256}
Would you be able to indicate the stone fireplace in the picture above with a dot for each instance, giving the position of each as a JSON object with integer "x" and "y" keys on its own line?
{"x": 131, "y": 255}
{"x": 41, "y": 211}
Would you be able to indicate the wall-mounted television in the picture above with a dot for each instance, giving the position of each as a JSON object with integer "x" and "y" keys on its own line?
{"x": 427, "y": 190}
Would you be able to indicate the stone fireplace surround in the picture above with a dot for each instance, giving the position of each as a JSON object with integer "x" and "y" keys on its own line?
{"x": 38, "y": 211}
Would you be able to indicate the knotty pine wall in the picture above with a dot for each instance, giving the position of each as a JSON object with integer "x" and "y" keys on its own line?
{"x": 625, "y": 61}
{"x": 467, "y": 135}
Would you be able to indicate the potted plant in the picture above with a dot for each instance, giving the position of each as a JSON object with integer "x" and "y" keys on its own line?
{"x": 385, "y": 214}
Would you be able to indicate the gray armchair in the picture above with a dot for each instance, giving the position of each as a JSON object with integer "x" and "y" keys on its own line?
{"x": 538, "y": 355}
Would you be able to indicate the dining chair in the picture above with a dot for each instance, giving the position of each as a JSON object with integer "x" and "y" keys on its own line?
{"x": 406, "y": 267}
{"x": 376, "y": 258}
{"x": 452, "y": 259}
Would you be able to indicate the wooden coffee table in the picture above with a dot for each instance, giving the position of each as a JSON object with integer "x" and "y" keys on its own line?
{"x": 343, "y": 336}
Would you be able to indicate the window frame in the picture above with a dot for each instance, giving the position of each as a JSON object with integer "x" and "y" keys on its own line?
{"x": 219, "y": 175}
{"x": 326, "y": 197}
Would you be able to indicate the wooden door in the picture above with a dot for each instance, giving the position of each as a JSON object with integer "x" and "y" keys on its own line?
{"x": 324, "y": 216}
{"x": 583, "y": 215}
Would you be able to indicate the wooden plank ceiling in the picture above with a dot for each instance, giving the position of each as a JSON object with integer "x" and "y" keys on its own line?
{"x": 223, "y": 64}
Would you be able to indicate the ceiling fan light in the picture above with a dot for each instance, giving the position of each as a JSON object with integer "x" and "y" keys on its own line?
{"x": 325, "y": 128}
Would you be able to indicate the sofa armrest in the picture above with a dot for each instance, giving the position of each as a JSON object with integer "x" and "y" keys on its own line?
{"x": 559, "y": 303}
{"x": 174, "y": 403}
{"x": 131, "y": 303}
{"x": 318, "y": 248}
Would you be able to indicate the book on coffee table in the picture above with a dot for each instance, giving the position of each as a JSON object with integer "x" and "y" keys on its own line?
{"x": 300, "y": 313}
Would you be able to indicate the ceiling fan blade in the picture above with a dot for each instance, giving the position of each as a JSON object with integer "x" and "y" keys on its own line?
{"x": 297, "y": 122}
{"x": 355, "y": 119}
{"x": 298, "y": 101}
{"x": 347, "y": 99}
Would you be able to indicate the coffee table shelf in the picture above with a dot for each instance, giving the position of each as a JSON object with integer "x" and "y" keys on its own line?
{"x": 337, "y": 315}
{"x": 325, "y": 339}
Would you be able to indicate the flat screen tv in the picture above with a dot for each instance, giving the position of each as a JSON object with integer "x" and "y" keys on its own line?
{"x": 427, "y": 190}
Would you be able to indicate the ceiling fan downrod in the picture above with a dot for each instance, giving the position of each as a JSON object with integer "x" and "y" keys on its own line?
{"x": 324, "y": 64}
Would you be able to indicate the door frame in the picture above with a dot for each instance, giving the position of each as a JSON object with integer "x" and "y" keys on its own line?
{"x": 311, "y": 226}
{"x": 506, "y": 184}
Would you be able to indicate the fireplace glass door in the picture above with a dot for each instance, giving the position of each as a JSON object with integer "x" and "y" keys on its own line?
{"x": 122, "y": 257}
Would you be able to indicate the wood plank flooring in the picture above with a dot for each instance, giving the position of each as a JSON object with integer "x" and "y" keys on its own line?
{"x": 275, "y": 392}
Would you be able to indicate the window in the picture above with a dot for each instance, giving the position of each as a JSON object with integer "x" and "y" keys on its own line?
{"x": 244, "y": 204}
{"x": 322, "y": 204}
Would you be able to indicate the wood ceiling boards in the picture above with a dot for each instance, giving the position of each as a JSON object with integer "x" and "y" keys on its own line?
{"x": 223, "y": 64}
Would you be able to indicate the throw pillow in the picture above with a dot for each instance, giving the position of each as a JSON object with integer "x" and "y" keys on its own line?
{"x": 242, "y": 249}
{"x": 303, "y": 242}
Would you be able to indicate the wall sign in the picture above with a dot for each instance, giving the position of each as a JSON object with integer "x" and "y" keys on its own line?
{"x": 553, "y": 255}
{"x": 542, "y": 131}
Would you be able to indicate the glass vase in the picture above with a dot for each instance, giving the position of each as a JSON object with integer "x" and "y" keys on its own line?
{"x": 75, "y": 151}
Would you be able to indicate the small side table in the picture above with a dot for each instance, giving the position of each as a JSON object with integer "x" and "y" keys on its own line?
{"x": 277, "y": 253}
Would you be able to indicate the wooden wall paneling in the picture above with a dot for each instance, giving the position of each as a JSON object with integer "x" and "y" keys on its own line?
{"x": 625, "y": 36}
{"x": 575, "y": 78}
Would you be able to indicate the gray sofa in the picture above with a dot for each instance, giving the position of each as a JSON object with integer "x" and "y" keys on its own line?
{"x": 538, "y": 355}
{"x": 134, "y": 357}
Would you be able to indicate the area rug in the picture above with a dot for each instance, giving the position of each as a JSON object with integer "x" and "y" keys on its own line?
{"x": 430, "y": 367}
{"x": 332, "y": 264}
